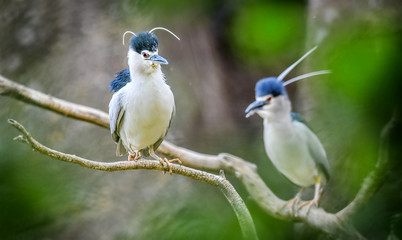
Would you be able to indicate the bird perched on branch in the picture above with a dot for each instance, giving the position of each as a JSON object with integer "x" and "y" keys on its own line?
{"x": 142, "y": 105}
{"x": 289, "y": 142}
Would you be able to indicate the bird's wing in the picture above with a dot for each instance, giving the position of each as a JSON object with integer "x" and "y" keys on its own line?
{"x": 296, "y": 117}
{"x": 314, "y": 145}
{"x": 121, "y": 79}
{"x": 116, "y": 113}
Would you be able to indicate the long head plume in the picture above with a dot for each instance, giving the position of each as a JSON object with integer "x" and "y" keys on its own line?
{"x": 126, "y": 33}
{"x": 306, "y": 76}
{"x": 167, "y": 30}
{"x": 286, "y": 72}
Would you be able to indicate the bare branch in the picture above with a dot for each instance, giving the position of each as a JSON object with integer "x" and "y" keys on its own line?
{"x": 68, "y": 109}
{"x": 197, "y": 160}
{"x": 237, "y": 203}
{"x": 337, "y": 225}
{"x": 271, "y": 204}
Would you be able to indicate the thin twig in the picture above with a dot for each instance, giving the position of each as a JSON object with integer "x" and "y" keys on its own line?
{"x": 237, "y": 203}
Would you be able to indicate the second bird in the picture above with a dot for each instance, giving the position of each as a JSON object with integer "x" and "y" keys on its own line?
{"x": 289, "y": 142}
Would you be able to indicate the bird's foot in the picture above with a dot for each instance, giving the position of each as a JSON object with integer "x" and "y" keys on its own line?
{"x": 316, "y": 200}
{"x": 309, "y": 204}
{"x": 169, "y": 164}
{"x": 294, "y": 201}
{"x": 134, "y": 155}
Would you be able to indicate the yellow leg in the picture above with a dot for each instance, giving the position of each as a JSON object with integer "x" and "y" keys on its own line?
{"x": 317, "y": 195}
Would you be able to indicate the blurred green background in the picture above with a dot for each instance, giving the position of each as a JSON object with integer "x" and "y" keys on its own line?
{"x": 72, "y": 49}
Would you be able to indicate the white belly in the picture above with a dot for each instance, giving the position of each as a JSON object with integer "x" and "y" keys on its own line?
{"x": 290, "y": 155}
{"x": 145, "y": 121}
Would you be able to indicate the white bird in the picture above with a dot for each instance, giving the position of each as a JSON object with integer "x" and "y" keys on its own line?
{"x": 142, "y": 106}
{"x": 289, "y": 142}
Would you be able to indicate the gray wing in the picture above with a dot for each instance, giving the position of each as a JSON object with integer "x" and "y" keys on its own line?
{"x": 318, "y": 153}
{"x": 116, "y": 114}
{"x": 296, "y": 117}
{"x": 315, "y": 147}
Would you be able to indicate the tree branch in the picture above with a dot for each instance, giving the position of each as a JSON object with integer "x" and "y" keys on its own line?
{"x": 68, "y": 109}
{"x": 337, "y": 225}
{"x": 376, "y": 177}
{"x": 237, "y": 203}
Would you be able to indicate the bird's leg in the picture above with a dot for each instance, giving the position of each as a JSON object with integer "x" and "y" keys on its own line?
{"x": 162, "y": 160}
{"x": 317, "y": 196}
{"x": 293, "y": 201}
{"x": 133, "y": 155}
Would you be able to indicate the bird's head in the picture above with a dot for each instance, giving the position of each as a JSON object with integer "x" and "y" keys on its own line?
{"x": 270, "y": 93}
{"x": 143, "y": 54}
{"x": 270, "y": 96}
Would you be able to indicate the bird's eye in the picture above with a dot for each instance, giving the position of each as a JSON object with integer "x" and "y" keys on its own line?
{"x": 269, "y": 99}
{"x": 144, "y": 54}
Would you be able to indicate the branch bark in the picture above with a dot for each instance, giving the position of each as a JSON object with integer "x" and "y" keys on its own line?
{"x": 68, "y": 109}
{"x": 337, "y": 225}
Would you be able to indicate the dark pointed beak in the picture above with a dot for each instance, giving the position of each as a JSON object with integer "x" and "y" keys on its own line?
{"x": 253, "y": 107}
{"x": 158, "y": 59}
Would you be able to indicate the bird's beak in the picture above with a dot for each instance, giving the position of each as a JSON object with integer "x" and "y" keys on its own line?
{"x": 253, "y": 107}
{"x": 157, "y": 59}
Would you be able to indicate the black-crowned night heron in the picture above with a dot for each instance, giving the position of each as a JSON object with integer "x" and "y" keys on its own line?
{"x": 289, "y": 142}
{"x": 142, "y": 106}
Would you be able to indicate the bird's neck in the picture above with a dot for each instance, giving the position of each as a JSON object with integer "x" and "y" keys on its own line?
{"x": 279, "y": 113}
{"x": 138, "y": 76}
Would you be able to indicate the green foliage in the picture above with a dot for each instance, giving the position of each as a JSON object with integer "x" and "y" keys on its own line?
{"x": 262, "y": 32}
{"x": 34, "y": 194}
{"x": 361, "y": 65}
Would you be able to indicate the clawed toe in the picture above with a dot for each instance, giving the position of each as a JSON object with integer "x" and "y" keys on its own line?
{"x": 309, "y": 204}
{"x": 162, "y": 160}
{"x": 294, "y": 201}
{"x": 169, "y": 163}
{"x": 134, "y": 155}
{"x": 176, "y": 160}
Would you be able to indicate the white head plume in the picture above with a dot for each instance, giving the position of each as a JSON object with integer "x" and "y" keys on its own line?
{"x": 126, "y": 33}
{"x": 167, "y": 30}
{"x": 286, "y": 72}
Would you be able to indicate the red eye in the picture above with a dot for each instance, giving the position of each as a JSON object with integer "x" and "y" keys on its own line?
{"x": 269, "y": 99}
{"x": 144, "y": 55}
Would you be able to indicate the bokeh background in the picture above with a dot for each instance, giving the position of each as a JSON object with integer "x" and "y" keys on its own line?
{"x": 71, "y": 49}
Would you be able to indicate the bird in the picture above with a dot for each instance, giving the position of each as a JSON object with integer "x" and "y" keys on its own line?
{"x": 142, "y": 105}
{"x": 290, "y": 143}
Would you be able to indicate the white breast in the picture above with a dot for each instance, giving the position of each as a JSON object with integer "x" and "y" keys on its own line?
{"x": 288, "y": 150}
{"x": 149, "y": 104}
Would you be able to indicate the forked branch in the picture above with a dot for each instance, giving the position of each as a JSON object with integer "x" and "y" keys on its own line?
{"x": 337, "y": 225}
